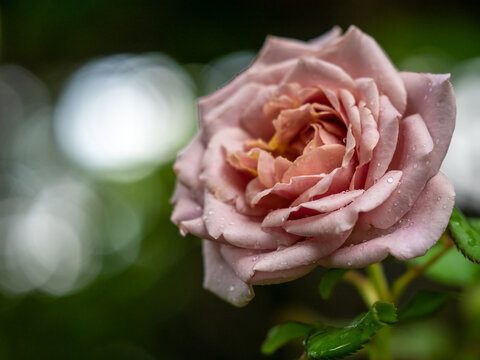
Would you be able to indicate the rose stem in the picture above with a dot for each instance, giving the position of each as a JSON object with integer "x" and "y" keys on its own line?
{"x": 377, "y": 277}
{"x": 363, "y": 285}
{"x": 403, "y": 281}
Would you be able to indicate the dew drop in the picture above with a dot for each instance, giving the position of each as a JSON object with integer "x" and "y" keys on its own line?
{"x": 349, "y": 263}
{"x": 437, "y": 141}
{"x": 378, "y": 164}
{"x": 344, "y": 140}
{"x": 395, "y": 204}
{"x": 414, "y": 148}
{"x": 439, "y": 198}
{"x": 415, "y": 165}
{"x": 390, "y": 180}
{"x": 231, "y": 223}
{"x": 231, "y": 288}
{"x": 211, "y": 212}
{"x": 444, "y": 206}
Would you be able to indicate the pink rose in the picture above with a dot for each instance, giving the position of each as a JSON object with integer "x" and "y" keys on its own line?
{"x": 321, "y": 153}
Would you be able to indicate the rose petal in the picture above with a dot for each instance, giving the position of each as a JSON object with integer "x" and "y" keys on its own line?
{"x": 253, "y": 119}
{"x": 259, "y": 75}
{"x": 220, "y": 279}
{"x": 368, "y": 92}
{"x": 322, "y": 160}
{"x": 387, "y": 143}
{"x": 315, "y": 72}
{"x": 218, "y": 176}
{"x": 327, "y": 38}
{"x": 413, "y": 156}
{"x": 418, "y": 231}
{"x": 335, "y": 182}
{"x": 222, "y": 220}
{"x": 323, "y": 205}
{"x": 189, "y": 161}
{"x": 256, "y": 192}
{"x": 343, "y": 220}
{"x": 244, "y": 263}
{"x": 370, "y": 135}
{"x": 433, "y": 98}
{"x": 186, "y": 208}
{"x": 228, "y": 113}
{"x": 360, "y": 56}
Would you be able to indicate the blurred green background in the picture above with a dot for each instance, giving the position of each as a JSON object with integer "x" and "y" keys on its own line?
{"x": 95, "y": 99}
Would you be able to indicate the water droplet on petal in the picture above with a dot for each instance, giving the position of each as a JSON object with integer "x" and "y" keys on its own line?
{"x": 444, "y": 206}
{"x": 439, "y": 198}
{"x": 231, "y": 288}
{"x": 349, "y": 263}
{"x": 390, "y": 180}
{"x": 211, "y": 212}
{"x": 414, "y": 148}
{"x": 415, "y": 165}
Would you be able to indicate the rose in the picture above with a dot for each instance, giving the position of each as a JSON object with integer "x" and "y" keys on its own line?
{"x": 320, "y": 153}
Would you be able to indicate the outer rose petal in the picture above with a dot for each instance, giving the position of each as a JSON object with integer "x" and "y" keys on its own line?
{"x": 417, "y": 232}
{"x": 277, "y": 49}
{"x": 361, "y": 56}
{"x": 433, "y": 98}
{"x": 413, "y": 156}
{"x": 220, "y": 279}
{"x": 222, "y": 220}
{"x": 189, "y": 161}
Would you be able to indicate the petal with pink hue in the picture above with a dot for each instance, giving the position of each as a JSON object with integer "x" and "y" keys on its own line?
{"x": 270, "y": 75}
{"x": 321, "y": 160}
{"x": 433, "y": 98}
{"x": 228, "y": 114}
{"x": 417, "y": 231}
{"x": 360, "y": 56}
{"x": 266, "y": 169}
{"x": 244, "y": 262}
{"x": 277, "y": 49}
{"x": 352, "y": 114}
{"x": 414, "y": 151}
{"x": 220, "y": 279}
{"x": 327, "y": 38}
{"x": 370, "y": 135}
{"x": 281, "y": 165}
{"x": 323, "y": 205}
{"x": 253, "y": 118}
{"x": 256, "y": 192}
{"x": 368, "y": 93}
{"x": 335, "y": 182}
{"x": 218, "y": 176}
{"x": 314, "y": 72}
{"x": 290, "y": 122}
{"x": 388, "y": 124}
{"x": 344, "y": 220}
{"x": 189, "y": 161}
{"x": 186, "y": 208}
{"x": 222, "y": 220}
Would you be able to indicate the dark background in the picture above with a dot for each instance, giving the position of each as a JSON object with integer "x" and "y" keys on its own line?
{"x": 155, "y": 308}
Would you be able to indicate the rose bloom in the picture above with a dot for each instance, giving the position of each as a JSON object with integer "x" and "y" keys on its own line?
{"x": 320, "y": 153}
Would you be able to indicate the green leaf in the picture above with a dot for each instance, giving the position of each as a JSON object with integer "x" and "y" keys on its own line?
{"x": 466, "y": 237}
{"x": 423, "y": 304}
{"x": 329, "y": 280}
{"x": 330, "y": 342}
{"x": 279, "y": 335}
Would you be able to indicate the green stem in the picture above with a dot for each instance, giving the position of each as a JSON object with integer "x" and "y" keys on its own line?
{"x": 377, "y": 277}
{"x": 363, "y": 286}
{"x": 403, "y": 281}
{"x": 379, "y": 348}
